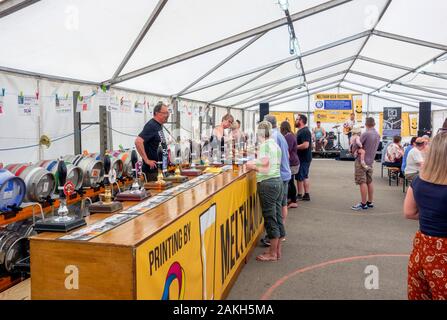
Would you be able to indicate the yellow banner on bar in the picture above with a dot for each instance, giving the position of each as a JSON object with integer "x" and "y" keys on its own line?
{"x": 198, "y": 255}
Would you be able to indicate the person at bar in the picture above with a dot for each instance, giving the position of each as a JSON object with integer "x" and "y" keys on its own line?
{"x": 150, "y": 138}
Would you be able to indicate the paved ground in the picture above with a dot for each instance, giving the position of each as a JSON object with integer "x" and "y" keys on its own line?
{"x": 329, "y": 246}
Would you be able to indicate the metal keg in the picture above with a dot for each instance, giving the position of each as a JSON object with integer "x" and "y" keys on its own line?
{"x": 12, "y": 190}
{"x": 92, "y": 169}
{"x": 39, "y": 182}
{"x": 7, "y": 239}
{"x": 116, "y": 163}
{"x": 124, "y": 156}
{"x": 74, "y": 173}
{"x": 13, "y": 247}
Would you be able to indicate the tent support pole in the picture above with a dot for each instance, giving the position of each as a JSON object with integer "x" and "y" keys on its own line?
{"x": 390, "y": 82}
{"x": 283, "y": 61}
{"x": 230, "y": 40}
{"x": 235, "y": 53}
{"x": 77, "y": 125}
{"x": 157, "y": 10}
{"x": 367, "y": 38}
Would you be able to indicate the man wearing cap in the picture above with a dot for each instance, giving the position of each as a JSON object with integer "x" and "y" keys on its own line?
{"x": 415, "y": 159}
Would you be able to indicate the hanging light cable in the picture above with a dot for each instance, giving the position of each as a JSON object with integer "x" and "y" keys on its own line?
{"x": 294, "y": 46}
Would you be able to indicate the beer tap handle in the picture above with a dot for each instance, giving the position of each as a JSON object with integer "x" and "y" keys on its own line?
{"x": 134, "y": 160}
{"x": 62, "y": 176}
{"x": 107, "y": 165}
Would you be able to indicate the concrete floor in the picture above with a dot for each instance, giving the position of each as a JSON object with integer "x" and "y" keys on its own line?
{"x": 329, "y": 246}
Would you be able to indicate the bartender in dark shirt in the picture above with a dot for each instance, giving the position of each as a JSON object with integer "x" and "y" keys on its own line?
{"x": 149, "y": 139}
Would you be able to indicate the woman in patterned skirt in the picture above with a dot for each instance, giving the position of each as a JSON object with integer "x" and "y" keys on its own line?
{"x": 426, "y": 201}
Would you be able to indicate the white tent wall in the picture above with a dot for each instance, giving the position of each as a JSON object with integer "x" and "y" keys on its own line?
{"x": 17, "y": 131}
{"x": 127, "y": 125}
{"x": 438, "y": 118}
{"x": 56, "y": 124}
{"x": 237, "y": 114}
{"x": 190, "y": 119}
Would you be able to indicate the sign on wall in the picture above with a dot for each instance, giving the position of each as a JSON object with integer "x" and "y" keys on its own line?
{"x": 63, "y": 104}
{"x": 139, "y": 107}
{"x": 83, "y": 104}
{"x": 334, "y": 108}
{"x": 332, "y": 116}
{"x": 28, "y": 105}
{"x": 358, "y": 107}
{"x": 285, "y": 116}
{"x": 392, "y": 121}
{"x": 414, "y": 118}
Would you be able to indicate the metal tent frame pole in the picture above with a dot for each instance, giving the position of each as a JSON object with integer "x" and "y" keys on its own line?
{"x": 292, "y": 94}
{"x": 367, "y": 38}
{"x": 279, "y": 81}
{"x": 8, "y": 7}
{"x": 221, "y": 63}
{"x": 281, "y": 62}
{"x": 225, "y": 42}
{"x": 154, "y": 15}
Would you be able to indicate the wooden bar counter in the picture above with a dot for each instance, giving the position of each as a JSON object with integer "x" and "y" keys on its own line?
{"x": 191, "y": 246}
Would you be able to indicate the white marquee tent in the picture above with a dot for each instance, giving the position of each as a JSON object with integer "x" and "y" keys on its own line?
{"x": 224, "y": 54}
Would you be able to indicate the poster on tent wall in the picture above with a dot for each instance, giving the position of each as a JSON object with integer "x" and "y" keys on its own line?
{"x": 2, "y": 106}
{"x": 414, "y": 118}
{"x": 28, "y": 105}
{"x": 83, "y": 104}
{"x": 331, "y": 116}
{"x": 125, "y": 106}
{"x": 114, "y": 105}
{"x": 392, "y": 122}
{"x": 333, "y": 108}
{"x": 63, "y": 104}
{"x": 358, "y": 107}
{"x": 103, "y": 99}
{"x": 138, "y": 107}
{"x": 285, "y": 116}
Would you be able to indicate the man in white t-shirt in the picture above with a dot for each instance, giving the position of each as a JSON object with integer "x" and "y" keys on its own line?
{"x": 415, "y": 159}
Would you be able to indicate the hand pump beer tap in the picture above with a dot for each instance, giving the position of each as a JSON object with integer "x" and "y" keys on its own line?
{"x": 136, "y": 193}
{"x": 62, "y": 222}
{"x": 106, "y": 205}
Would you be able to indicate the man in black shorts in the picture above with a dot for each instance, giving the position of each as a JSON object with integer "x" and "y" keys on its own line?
{"x": 149, "y": 139}
{"x": 304, "y": 146}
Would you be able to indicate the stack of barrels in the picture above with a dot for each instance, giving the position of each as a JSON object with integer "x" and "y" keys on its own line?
{"x": 26, "y": 182}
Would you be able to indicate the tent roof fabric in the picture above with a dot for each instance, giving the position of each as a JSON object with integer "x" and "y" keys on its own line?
{"x": 234, "y": 53}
